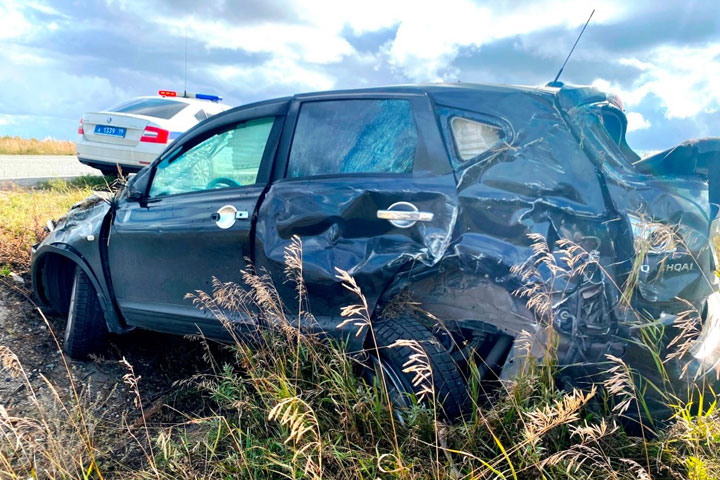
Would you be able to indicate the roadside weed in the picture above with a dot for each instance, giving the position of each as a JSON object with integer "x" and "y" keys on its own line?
{"x": 286, "y": 403}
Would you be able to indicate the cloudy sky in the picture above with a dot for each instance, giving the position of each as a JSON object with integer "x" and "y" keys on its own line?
{"x": 61, "y": 58}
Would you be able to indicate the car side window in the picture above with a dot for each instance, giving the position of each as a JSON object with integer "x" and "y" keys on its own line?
{"x": 353, "y": 136}
{"x": 230, "y": 158}
{"x": 201, "y": 115}
{"x": 471, "y": 135}
{"x": 473, "y": 138}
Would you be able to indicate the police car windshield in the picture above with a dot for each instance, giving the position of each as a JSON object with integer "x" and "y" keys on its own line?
{"x": 151, "y": 107}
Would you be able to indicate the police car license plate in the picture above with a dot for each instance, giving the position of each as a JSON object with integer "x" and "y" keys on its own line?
{"x": 110, "y": 131}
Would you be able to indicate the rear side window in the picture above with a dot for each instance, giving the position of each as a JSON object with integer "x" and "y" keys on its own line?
{"x": 201, "y": 115}
{"x": 353, "y": 136}
{"x": 151, "y": 107}
{"x": 473, "y": 138}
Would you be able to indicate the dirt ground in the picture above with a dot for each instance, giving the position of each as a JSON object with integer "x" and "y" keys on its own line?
{"x": 160, "y": 360}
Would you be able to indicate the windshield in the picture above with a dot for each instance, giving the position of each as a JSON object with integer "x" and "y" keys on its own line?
{"x": 603, "y": 126}
{"x": 151, "y": 107}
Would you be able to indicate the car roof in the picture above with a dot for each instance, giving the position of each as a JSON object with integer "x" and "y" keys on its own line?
{"x": 570, "y": 95}
{"x": 432, "y": 88}
{"x": 416, "y": 89}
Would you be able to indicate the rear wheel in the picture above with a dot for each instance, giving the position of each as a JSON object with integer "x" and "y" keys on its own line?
{"x": 108, "y": 171}
{"x": 450, "y": 389}
{"x": 85, "y": 331}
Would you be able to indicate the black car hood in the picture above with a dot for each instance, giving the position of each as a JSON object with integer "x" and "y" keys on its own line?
{"x": 84, "y": 219}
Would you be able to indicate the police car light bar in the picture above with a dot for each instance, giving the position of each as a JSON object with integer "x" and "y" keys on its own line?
{"x": 199, "y": 96}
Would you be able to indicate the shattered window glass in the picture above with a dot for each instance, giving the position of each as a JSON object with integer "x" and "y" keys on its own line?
{"x": 473, "y": 138}
{"x": 353, "y": 136}
{"x": 228, "y": 159}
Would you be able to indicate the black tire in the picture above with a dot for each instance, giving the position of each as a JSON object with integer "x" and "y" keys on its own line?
{"x": 109, "y": 171}
{"x": 85, "y": 330}
{"x": 450, "y": 388}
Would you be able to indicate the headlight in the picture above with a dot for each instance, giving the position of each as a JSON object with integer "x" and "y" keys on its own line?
{"x": 652, "y": 237}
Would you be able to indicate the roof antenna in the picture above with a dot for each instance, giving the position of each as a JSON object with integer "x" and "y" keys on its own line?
{"x": 185, "y": 89}
{"x": 555, "y": 82}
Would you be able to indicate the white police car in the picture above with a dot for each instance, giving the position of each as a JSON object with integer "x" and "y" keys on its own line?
{"x": 131, "y": 135}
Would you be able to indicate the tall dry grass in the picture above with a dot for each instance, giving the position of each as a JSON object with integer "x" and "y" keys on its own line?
{"x": 33, "y": 146}
{"x": 324, "y": 422}
{"x": 292, "y": 405}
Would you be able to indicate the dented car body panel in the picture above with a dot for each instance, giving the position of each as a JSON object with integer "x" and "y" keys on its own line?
{"x": 77, "y": 237}
{"x": 559, "y": 169}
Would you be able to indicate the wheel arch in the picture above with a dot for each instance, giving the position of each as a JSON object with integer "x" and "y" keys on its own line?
{"x": 465, "y": 294}
{"x": 467, "y": 300}
{"x": 52, "y": 272}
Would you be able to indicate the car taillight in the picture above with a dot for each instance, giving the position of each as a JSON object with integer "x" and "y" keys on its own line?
{"x": 80, "y": 128}
{"x": 155, "y": 135}
{"x": 617, "y": 101}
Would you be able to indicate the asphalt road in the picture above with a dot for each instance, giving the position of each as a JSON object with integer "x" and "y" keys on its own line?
{"x": 27, "y": 170}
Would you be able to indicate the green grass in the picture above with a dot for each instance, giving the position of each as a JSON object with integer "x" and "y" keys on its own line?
{"x": 33, "y": 146}
{"x": 25, "y": 212}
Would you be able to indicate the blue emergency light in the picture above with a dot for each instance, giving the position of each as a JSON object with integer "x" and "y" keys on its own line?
{"x": 199, "y": 96}
{"x": 212, "y": 98}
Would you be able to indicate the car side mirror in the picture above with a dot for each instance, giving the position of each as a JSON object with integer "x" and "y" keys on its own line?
{"x": 138, "y": 185}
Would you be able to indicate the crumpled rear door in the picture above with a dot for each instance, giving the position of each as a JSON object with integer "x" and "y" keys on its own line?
{"x": 337, "y": 214}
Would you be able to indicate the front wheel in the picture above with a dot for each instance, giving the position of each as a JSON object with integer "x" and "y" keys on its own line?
{"x": 85, "y": 331}
{"x": 450, "y": 392}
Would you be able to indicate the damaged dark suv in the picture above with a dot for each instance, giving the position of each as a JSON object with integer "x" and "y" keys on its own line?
{"x": 432, "y": 192}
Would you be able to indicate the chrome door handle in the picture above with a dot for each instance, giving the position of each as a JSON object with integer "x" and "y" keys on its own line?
{"x": 404, "y": 215}
{"x": 225, "y": 217}
{"x": 407, "y": 216}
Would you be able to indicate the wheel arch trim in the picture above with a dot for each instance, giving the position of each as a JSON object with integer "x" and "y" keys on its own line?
{"x": 113, "y": 320}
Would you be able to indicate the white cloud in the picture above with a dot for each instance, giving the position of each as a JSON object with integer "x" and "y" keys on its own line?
{"x": 628, "y": 97}
{"x": 13, "y": 23}
{"x": 428, "y": 39}
{"x": 634, "y": 62}
{"x": 314, "y": 50}
{"x": 636, "y": 121}
{"x": 684, "y": 78}
{"x": 33, "y": 84}
{"x": 429, "y": 34}
{"x": 308, "y": 43}
{"x": 44, "y": 8}
{"x": 283, "y": 72}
